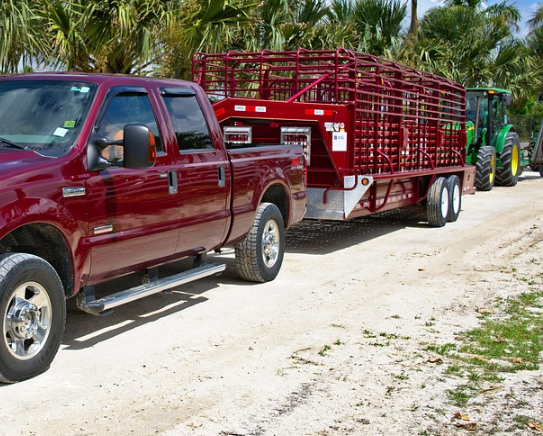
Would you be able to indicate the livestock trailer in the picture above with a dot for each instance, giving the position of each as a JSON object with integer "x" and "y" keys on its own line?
{"x": 377, "y": 135}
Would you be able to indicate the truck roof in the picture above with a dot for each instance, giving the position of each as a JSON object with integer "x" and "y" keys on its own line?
{"x": 98, "y": 78}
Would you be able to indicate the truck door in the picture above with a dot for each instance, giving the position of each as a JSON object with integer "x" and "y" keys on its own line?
{"x": 203, "y": 174}
{"x": 133, "y": 214}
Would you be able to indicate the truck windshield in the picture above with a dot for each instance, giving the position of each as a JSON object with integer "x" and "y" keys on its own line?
{"x": 43, "y": 115}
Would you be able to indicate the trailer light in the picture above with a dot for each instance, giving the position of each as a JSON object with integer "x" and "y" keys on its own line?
{"x": 365, "y": 181}
{"x": 491, "y": 91}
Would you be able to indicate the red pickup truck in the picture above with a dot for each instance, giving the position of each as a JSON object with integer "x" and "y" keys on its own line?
{"x": 102, "y": 176}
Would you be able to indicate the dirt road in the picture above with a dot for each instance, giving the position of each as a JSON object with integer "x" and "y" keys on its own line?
{"x": 332, "y": 347}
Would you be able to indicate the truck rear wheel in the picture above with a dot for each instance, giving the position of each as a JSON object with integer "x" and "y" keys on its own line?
{"x": 260, "y": 255}
{"x": 438, "y": 203}
{"x": 33, "y": 315}
{"x": 455, "y": 198}
{"x": 510, "y": 159}
{"x": 485, "y": 168}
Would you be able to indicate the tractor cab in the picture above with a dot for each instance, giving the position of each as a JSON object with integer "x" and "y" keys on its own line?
{"x": 486, "y": 109}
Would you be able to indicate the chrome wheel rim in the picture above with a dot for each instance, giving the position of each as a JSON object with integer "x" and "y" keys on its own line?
{"x": 270, "y": 243}
{"x": 27, "y": 321}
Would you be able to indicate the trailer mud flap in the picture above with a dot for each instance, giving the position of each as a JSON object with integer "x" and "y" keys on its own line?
{"x": 337, "y": 204}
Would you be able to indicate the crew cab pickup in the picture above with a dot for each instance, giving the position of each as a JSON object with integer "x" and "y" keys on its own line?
{"x": 102, "y": 176}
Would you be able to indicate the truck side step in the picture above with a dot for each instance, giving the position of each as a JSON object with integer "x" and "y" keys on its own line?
{"x": 86, "y": 302}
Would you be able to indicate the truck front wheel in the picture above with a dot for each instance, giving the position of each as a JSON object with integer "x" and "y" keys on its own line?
{"x": 260, "y": 255}
{"x": 33, "y": 315}
{"x": 510, "y": 171}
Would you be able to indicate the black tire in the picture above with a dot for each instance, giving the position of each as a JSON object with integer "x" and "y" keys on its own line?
{"x": 485, "y": 168}
{"x": 260, "y": 255}
{"x": 33, "y": 316}
{"x": 455, "y": 198}
{"x": 510, "y": 159}
{"x": 541, "y": 171}
{"x": 437, "y": 203}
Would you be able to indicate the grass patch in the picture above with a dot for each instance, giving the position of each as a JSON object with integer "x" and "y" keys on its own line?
{"x": 324, "y": 350}
{"x": 454, "y": 369}
{"x": 458, "y": 397}
{"x": 508, "y": 340}
{"x": 442, "y": 350}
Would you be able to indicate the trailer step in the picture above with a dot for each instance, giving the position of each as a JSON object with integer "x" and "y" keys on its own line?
{"x": 101, "y": 306}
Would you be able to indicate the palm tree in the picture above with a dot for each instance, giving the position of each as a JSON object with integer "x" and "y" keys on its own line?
{"x": 414, "y": 26}
{"x": 208, "y": 26}
{"x": 121, "y": 35}
{"x": 64, "y": 26}
{"x": 483, "y": 45}
{"x": 378, "y": 24}
{"x": 20, "y": 34}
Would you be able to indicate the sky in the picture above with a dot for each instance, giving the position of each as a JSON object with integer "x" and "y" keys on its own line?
{"x": 526, "y": 7}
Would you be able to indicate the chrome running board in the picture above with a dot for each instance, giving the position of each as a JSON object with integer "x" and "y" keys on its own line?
{"x": 86, "y": 302}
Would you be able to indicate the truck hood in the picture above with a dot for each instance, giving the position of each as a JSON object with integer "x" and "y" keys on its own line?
{"x": 19, "y": 166}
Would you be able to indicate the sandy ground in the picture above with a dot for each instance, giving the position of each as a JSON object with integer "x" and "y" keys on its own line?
{"x": 334, "y": 346}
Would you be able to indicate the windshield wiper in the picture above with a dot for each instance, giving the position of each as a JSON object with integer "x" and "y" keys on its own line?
{"x": 11, "y": 144}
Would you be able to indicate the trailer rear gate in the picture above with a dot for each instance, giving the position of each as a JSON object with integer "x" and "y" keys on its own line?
{"x": 377, "y": 134}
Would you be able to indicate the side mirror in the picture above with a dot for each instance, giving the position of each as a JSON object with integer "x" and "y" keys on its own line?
{"x": 506, "y": 99}
{"x": 95, "y": 161}
{"x": 139, "y": 147}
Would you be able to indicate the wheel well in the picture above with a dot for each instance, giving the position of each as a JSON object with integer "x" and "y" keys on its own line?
{"x": 44, "y": 241}
{"x": 276, "y": 194}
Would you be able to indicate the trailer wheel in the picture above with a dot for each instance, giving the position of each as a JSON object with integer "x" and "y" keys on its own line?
{"x": 510, "y": 158}
{"x": 437, "y": 203}
{"x": 260, "y": 255}
{"x": 485, "y": 168}
{"x": 33, "y": 315}
{"x": 455, "y": 198}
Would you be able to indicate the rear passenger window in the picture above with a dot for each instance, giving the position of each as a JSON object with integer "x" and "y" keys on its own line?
{"x": 188, "y": 122}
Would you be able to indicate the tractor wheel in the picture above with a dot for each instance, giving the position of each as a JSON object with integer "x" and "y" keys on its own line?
{"x": 438, "y": 203}
{"x": 485, "y": 168}
{"x": 510, "y": 158}
{"x": 455, "y": 198}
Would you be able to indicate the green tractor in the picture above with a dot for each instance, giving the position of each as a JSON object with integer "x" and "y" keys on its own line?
{"x": 493, "y": 146}
{"x": 536, "y": 150}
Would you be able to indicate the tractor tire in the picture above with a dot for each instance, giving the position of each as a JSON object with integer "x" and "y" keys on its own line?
{"x": 485, "y": 168}
{"x": 455, "y": 198}
{"x": 260, "y": 255}
{"x": 510, "y": 159}
{"x": 32, "y": 316}
{"x": 438, "y": 203}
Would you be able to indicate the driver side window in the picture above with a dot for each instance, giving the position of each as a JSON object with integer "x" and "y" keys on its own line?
{"x": 126, "y": 108}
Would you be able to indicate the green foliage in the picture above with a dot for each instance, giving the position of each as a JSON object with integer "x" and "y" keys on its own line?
{"x": 463, "y": 40}
{"x": 21, "y": 41}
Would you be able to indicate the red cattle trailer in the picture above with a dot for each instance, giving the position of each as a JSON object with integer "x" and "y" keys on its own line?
{"x": 377, "y": 135}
